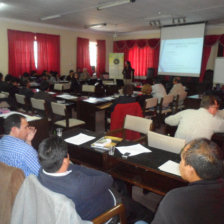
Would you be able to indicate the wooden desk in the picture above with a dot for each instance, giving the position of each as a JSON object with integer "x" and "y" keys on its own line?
{"x": 86, "y": 111}
{"x": 193, "y": 102}
{"x": 141, "y": 170}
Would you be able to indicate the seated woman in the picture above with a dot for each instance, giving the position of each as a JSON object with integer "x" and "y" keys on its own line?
{"x": 126, "y": 98}
{"x": 146, "y": 94}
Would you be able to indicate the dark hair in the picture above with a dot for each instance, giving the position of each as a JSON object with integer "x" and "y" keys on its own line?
{"x": 128, "y": 64}
{"x": 51, "y": 153}
{"x": 13, "y": 120}
{"x": 1, "y": 76}
{"x": 205, "y": 157}
{"x": 8, "y": 77}
{"x": 44, "y": 85}
{"x": 208, "y": 101}
{"x": 128, "y": 90}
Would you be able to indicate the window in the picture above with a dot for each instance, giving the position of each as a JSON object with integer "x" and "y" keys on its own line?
{"x": 35, "y": 53}
{"x": 92, "y": 53}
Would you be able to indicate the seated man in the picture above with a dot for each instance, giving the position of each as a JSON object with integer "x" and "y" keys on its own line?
{"x": 201, "y": 123}
{"x": 177, "y": 88}
{"x": 202, "y": 201}
{"x": 88, "y": 188}
{"x": 15, "y": 146}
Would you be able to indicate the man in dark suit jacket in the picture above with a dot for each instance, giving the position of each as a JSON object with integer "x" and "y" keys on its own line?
{"x": 202, "y": 201}
{"x": 88, "y": 188}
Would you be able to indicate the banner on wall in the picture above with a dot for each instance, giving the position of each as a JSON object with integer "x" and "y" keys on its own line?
{"x": 116, "y": 65}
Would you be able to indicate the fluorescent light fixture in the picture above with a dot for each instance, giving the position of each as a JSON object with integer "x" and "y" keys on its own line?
{"x": 50, "y": 17}
{"x": 2, "y": 4}
{"x": 114, "y": 3}
{"x": 96, "y": 25}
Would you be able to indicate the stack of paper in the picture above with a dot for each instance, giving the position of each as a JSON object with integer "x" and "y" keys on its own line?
{"x": 79, "y": 139}
{"x": 133, "y": 149}
{"x": 170, "y": 167}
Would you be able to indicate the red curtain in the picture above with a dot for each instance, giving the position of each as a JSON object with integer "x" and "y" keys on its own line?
{"x": 20, "y": 52}
{"x": 141, "y": 59}
{"x": 208, "y": 42}
{"x": 142, "y": 54}
{"x": 48, "y": 51}
{"x": 101, "y": 57}
{"x": 83, "y": 54}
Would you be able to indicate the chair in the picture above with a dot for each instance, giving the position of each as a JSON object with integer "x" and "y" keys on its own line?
{"x": 166, "y": 105}
{"x": 164, "y": 142}
{"x": 150, "y": 107}
{"x": 11, "y": 179}
{"x": 67, "y": 86}
{"x": 180, "y": 101}
{"x": 36, "y": 204}
{"x": 39, "y": 105}
{"x": 61, "y": 110}
{"x": 58, "y": 86}
{"x": 22, "y": 100}
{"x": 3, "y": 100}
{"x": 90, "y": 89}
{"x": 6, "y": 94}
{"x": 136, "y": 124}
{"x": 108, "y": 82}
{"x": 118, "y": 118}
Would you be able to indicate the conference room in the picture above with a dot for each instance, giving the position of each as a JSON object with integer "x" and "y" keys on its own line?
{"x": 51, "y": 41}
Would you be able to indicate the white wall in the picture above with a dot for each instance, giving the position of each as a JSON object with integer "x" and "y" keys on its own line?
{"x": 68, "y": 40}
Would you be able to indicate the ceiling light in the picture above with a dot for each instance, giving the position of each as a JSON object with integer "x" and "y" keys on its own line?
{"x": 114, "y": 3}
{"x": 96, "y": 25}
{"x": 2, "y": 4}
{"x": 51, "y": 17}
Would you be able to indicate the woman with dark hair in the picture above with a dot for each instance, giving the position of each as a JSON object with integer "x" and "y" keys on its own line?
{"x": 127, "y": 72}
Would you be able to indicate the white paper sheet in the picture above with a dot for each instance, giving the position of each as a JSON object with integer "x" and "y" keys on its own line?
{"x": 170, "y": 167}
{"x": 28, "y": 118}
{"x": 79, "y": 139}
{"x": 67, "y": 97}
{"x": 133, "y": 149}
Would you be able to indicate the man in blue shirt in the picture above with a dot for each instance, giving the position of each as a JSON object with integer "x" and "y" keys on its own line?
{"x": 15, "y": 146}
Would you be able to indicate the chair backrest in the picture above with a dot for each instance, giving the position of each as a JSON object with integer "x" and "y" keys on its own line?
{"x": 166, "y": 143}
{"x": 181, "y": 98}
{"x": 6, "y": 94}
{"x": 88, "y": 88}
{"x": 11, "y": 179}
{"x": 138, "y": 124}
{"x": 66, "y": 86}
{"x": 167, "y": 100}
{"x": 151, "y": 103}
{"x": 108, "y": 82}
{"x": 36, "y": 204}
{"x": 58, "y": 86}
{"x": 20, "y": 99}
{"x": 119, "y": 114}
{"x": 58, "y": 108}
{"x": 38, "y": 104}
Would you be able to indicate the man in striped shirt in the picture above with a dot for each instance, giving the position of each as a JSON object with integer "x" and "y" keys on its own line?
{"x": 15, "y": 146}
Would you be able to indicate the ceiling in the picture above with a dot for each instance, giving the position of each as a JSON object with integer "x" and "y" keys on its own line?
{"x": 124, "y": 18}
